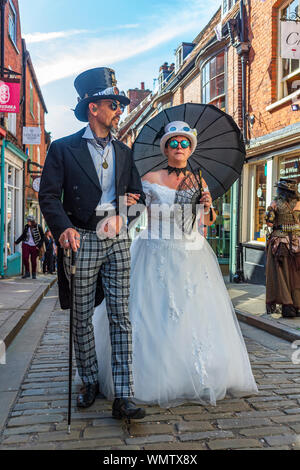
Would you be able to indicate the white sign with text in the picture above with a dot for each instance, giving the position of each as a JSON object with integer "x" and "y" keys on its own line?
{"x": 290, "y": 40}
{"x": 31, "y": 135}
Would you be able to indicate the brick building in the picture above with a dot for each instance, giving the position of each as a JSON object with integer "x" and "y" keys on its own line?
{"x": 14, "y": 155}
{"x": 235, "y": 63}
{"x": 34, "y": 110}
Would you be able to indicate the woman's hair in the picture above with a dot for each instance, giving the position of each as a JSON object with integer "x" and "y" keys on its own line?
{"x": 174, "y": 136}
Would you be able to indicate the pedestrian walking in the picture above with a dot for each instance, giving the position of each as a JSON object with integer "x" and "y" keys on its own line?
{"x": 283, "y": 250}
{"x": 84, "y": 176}
{"x": 48, "y": 261}
{"x": 32, "y": 240}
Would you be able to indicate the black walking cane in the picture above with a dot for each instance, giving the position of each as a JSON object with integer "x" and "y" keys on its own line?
{"x": 72, "y": 279}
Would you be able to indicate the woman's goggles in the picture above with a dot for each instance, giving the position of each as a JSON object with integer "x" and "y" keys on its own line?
{"x": 184, "y": 144}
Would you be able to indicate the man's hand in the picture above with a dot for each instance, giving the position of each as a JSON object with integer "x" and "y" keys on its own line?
{"x": 111, "y": 226}
{"x": 70, "y": 238}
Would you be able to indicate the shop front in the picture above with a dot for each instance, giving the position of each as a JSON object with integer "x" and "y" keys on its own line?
{"x": 12, "y": 207}
{"x": 260, "y": 177}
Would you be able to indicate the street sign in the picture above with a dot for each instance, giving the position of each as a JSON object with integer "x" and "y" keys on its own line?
{"x": 31, "y": 135}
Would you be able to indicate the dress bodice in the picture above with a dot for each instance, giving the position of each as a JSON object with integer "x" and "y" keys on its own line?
{"x": 160, "y": 202}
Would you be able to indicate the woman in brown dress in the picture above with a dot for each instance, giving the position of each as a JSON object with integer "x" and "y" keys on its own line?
{"x": 283, "y": 250}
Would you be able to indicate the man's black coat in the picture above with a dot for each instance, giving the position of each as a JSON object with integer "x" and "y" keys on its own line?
{"x": 70, "y": 192}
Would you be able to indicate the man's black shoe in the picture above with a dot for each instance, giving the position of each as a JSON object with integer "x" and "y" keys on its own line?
{"x": 33, "y": 275}
{"x": 123, "y": 408}
{"x": 87, "y": 395}
{"x": 26, "y": 275}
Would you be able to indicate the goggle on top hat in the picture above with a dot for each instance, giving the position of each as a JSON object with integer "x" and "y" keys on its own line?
{"x": 94, "y": 85}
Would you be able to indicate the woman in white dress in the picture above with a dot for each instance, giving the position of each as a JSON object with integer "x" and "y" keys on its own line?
{"x": 187, "y": 343}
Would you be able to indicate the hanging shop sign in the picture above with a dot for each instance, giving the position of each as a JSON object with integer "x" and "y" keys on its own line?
{"x": 290, "y": 40}
{"x": 31, "y": 135}
{"x": 9, "y": 95}
{"x": 36, "y": 184}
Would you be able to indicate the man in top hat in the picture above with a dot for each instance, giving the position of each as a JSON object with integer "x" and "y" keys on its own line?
{"x": 283, "y": 250}
{"x": 84, "y": 177}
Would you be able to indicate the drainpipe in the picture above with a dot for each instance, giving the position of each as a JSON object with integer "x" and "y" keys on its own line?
{"x": 242, "y": 48}
{"x": 2, "y": 209}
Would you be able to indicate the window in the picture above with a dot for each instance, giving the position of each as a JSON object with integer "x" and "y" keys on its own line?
{"x": 260, "y": 195}
{"x": 178, "y": 58}
{"x": 289, "y": 69}
{"x": 12, "y": 123}
{"x": 289, "y": 167}
{"x": 38, "y": 113}
{"x": 31, "y": 98}
{"x": 13, "y": 208}
{"x": 12, "y": 22}
{"x": 227, "y": 5}
{"x": 213, "y": 81}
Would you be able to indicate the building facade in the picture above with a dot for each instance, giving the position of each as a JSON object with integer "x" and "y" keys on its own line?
{"x": 14, "y": 155}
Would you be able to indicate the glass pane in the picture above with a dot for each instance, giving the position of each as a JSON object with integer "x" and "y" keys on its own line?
{"x": 220, "y": 63}
{"x": 10, "y": 175}
{"x": 260, "y": 202}
{"x": 213, "y": 90}
{"x": 218, "y": 234}
{"x": 220, "y": 85}
{"x": 213, "y": 67}
{"x": 290, "y": 168}
{"x": 295, "y": 64}
{"x": 285, "y": 67}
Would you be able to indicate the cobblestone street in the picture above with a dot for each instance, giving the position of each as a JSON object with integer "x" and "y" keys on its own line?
{"x": 38, "y": 417}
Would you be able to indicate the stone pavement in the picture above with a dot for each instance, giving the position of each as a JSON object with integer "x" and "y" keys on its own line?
{"x": 37, "y": 419}
{"x": 249, "y": 303}
{"x": 18, "y": 299}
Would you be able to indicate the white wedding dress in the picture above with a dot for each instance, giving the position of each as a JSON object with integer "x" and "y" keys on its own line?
{"x": 187, "y": 343}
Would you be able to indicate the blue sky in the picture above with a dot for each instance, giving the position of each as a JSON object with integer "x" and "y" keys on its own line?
{"x": 65, "y": 37}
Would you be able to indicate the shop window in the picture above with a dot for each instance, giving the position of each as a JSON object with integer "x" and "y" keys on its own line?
{"x": 218, "y": 234}
{"x": 260, "y": 202}
{"x": 12, "y": 199}
{"x": 289, "y": 167}
{"x": 289, "y": 69}
{"x": 213, "y": 81}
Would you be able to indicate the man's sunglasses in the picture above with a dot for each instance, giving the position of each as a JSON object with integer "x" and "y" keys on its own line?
{"x": 115, "y": 104}
{"x": 184, "y": 144}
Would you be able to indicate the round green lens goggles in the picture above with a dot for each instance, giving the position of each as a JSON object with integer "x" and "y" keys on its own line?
{"x": 184, "y": 144}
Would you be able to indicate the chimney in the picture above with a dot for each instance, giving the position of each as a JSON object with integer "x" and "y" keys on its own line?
{"x": 142, "y": 85}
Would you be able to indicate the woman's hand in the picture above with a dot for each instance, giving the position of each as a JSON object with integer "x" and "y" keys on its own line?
{"x": 131, "y": 199}
{"x": 206, "y": 200}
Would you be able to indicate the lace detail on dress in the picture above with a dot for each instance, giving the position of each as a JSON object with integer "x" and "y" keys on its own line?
{"x": 174, "y": 312}
{"x": 190, "y": 287}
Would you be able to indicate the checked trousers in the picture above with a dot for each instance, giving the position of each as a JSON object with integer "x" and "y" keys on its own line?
{"x": 110, "y": 258}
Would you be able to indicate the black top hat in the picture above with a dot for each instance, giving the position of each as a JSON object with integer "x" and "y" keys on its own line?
{"x": 96, "y": 84}
{"x": 287, "y": 184}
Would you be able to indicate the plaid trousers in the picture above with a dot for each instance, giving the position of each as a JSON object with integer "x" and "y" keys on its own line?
{"x": 112, "y": 259}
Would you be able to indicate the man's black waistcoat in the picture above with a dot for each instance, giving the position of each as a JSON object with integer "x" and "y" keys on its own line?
{"x": 70, "y": 191}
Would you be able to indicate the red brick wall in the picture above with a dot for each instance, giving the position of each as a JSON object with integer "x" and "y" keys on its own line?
{"x": 13, "y": 59}
{"x": 264, "y": 56}
{"x": 31, "y": 120}
{"x": 136, "y": 96}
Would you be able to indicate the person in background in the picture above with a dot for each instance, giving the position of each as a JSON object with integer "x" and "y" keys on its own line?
{"x": 48, "y": 263}
{"x": 283, "y": 250}
{"x": 32, "y": 240}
